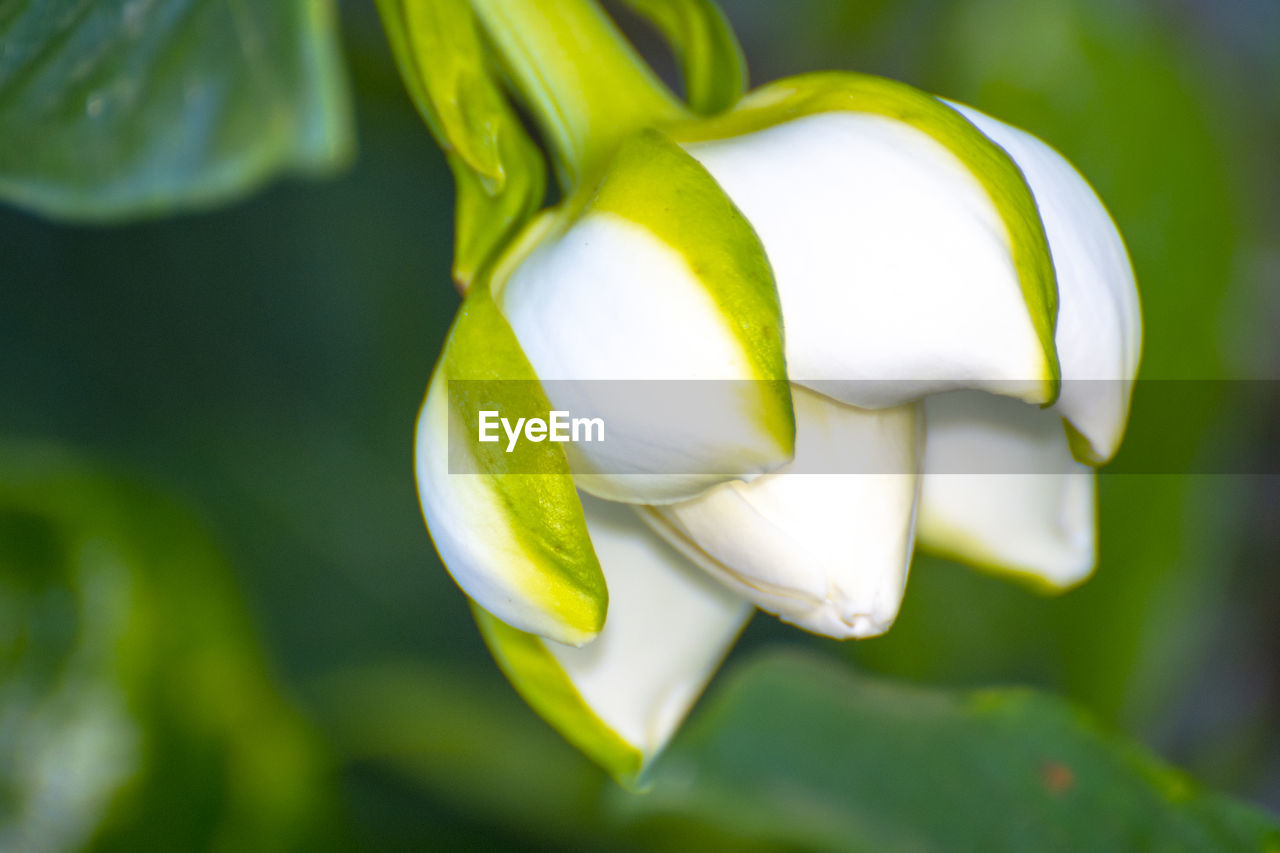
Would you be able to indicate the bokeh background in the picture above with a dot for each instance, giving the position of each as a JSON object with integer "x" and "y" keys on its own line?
{"x": 252, "y": 374}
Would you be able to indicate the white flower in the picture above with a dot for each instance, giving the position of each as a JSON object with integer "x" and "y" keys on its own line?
{"x": 950, "y": 290}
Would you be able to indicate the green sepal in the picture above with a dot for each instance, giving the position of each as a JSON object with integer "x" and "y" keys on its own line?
{"x": 499, "y": 171}
{"x": 543, "y": 683}
{"x": 486, "y": 370}
{"x": 711, "y": 60}
{"x": 659, "y": 186}
{"x": 485, "y": 224}
{"x": 442, "y": 61}
{"x": 828, "y": 92}
{"x": 582, "y": 83}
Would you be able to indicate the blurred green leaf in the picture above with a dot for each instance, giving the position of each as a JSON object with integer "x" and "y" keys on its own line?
{"x": 1126, "y": 98}
{"x": 466, "y": 740}
{"x": 137, "y": 709}
{"x": 121, "y": 108}
{"x": 711, "y": 60}
{"x": 797, "y": 752}
{"x": 1123, "y": 96}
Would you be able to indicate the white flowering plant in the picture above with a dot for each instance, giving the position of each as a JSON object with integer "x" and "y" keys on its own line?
{"x": 877, "y": 278}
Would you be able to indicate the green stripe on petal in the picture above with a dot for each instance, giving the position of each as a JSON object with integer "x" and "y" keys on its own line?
{"x": 515, "y": 542}
{"x": 656, "y": 184}
{"x": 654, "y": 275}
{"x": 833, "y": 92}
{"x": 540, "y": 679}
{"x": 621, "y": 698}
{"x": 1099, "y": 328}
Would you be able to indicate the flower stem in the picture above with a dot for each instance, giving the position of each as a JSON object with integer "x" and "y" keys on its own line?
{"x": 584, "y": 84}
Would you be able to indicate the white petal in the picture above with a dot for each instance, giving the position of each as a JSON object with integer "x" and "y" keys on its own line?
{"x": 816, "y": 542}
{"x": 1099, "y": 333}
{"x": 606, "y": 303}
{"x": 544, "y": 590}
{"x": 891, "y": 260}
{"x": 670, "y": 629}
{"x": 1002, "y": 490}
{"x": 622, "y": 697}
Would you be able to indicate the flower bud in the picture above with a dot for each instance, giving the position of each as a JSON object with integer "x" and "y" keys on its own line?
{"x": 516, "y": 543}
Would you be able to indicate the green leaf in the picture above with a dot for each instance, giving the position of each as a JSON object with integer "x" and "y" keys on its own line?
{"x": 123, "y": 108}
{"x": 138, "y": 712}
{"x": 799, "y": 752}
{"x": 711, "y": 60}
{"x": 500, "y": 173}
